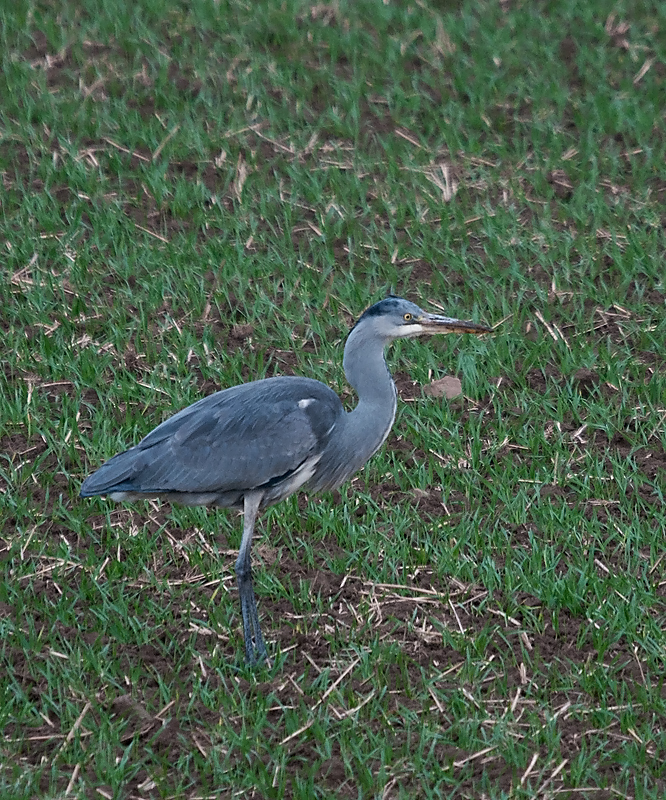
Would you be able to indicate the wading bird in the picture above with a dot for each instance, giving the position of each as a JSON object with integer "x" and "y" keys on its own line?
{"x": 250, "y": 446}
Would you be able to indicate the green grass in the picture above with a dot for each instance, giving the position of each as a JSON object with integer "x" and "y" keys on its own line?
{"x": 480, "y": 612}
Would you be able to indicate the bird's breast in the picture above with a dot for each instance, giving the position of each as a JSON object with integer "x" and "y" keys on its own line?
{"x": 292, "y": 482}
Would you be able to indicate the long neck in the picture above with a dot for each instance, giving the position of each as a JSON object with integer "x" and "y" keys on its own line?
{"x": 360, "y": 433}
{"x": 365, "y": 369}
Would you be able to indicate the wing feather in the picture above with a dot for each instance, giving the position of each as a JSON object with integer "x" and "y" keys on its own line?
{"x": 237, "y": 439}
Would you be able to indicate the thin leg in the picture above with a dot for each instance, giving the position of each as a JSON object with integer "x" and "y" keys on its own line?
{"x": 255, "y": 648}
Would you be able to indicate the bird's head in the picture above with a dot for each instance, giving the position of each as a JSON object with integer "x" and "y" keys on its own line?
{"x": 396, "y": 318}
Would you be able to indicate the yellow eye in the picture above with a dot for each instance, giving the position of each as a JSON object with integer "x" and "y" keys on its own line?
{"x": 407, "y": 317}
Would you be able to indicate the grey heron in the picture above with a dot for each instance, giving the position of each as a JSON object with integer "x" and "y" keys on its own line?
{"x": 251, "y": 446}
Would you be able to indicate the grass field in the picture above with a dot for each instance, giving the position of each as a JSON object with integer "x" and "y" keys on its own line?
{"x": 196, "y": 194}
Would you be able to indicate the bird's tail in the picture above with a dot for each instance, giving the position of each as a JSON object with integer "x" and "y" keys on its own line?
{"x": 116, "y": 475}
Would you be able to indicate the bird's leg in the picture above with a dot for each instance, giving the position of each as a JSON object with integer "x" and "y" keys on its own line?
{"x": 255, "y": 648}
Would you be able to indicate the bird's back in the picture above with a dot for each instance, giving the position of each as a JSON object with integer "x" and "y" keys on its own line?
{"x": 267, "y": 434}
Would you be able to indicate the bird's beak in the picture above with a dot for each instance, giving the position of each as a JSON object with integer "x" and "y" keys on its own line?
{"x": 434, "y": 323}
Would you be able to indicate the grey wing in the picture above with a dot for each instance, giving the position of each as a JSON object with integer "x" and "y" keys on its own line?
{"x": 242, "y": 438}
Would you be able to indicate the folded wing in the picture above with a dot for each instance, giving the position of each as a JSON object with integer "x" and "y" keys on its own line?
{"x": 242, "y": 438}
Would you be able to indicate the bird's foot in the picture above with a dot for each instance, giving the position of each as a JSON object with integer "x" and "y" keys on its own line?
{"x": 255, "y": 650}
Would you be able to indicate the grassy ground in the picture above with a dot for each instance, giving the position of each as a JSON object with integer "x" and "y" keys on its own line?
{"x": 195, "y": 194}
